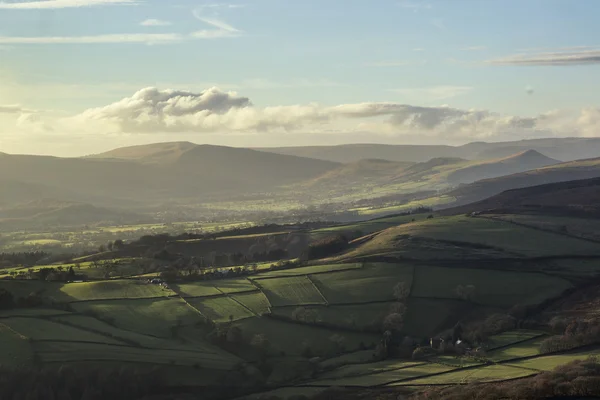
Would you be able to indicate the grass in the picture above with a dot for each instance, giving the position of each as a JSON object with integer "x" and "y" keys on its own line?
{"x": 498, "y": 234}
{"x": 196, "y": 289}
{"x": 221, "y": 309}
{"x": 41, "y": 329}
{"x": 257, "y": 302}
{"x": 23, "y": 288}
{"x": 492, "y": 287}
{"x": 67, "y": 352}
{"x": 429, "y": 202}
{"x": 510, "y": 337}
{"x": 357, "y": 317}
{"x": 312, "y": 269}
{"x": 289, "y": 291}
{"x": 15, "y": 350}
{"x": 375, "y": 282}
{"x": 357, "y": 357}
{"x": 492, "y": 373}
{"x": 153, "y": 317}
{"x": 32, "y": 312}
{"x": 524, "y": 349}
{"x": 368, "y": 369}
{"x": 371, "y": 226}
{"x": 234, "y": 285}
{"x": 581, "y": 227}
{"x": 292, "y": 338}
{"x": 384, "y": 378}
{"x": 114, "y": 289}
{"x": 548, "y": 363}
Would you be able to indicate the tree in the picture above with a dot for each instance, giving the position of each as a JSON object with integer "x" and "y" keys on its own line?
{"x": 7, "y": 299}
{"x": 401, "y": 291}
{"x": 118, "y": 245}
{"x": 465, "y": 292}
{"x": 393, "y": 322}
{"x": 339, "y": 342}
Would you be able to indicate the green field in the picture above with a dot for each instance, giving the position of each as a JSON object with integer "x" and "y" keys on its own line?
{"x": 220, "y": 309}
{"x": 153, "y": 317}
{"x": 213, "y": 288}
{"x": 490, "y": 373}
{"x": 292, "y": 338}
{"x": 290, "y": 291}
{"x": 425, "y": 317}
{"x": 374, "y": 282}
{"x": 309, "y": 270}
{"x": 61, "y": 352}
{"x": 384, "y": 378}
{"x": 510, "y": 337}
{"x": 257, "y": 302}
{"x": 524, "y": 349}
{"x": 15, "y": 350}
{"x": 492, "y": 287}
{"x": 41, "y": 329}
{"x": 114, "y": 289}
{"x": 548, "y": 363}
{"x": 368, "y": 369}
{"x": 498, "y": 234}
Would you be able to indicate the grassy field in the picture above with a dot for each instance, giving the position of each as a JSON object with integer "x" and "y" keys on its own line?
{"x": 257, "y": 302}
{"x": 490, "y": 373}
{"x": 384, "y": 378}
{"x": 368, "y": 369}
{"x": 42, "y": 330}
{"x": 221, "y": 309}
{"x": 492, "y": 287}
{"x": 308, "y": 270}
{"x": 370, "y": 226}
{"x": 510, "y": 337}
{"x": 15, "y": 349}
{"x": 213, "y": 288}
{"x": 580, "y": 227}
{"x": 293, "y": 338}
{"x": 290, "y": 291}
{"x": 66, "y": 352}
{"x": 114, "y": 289}
{"x": 524, "y": 349}
{"x": 153, "y": 317}
{"x": 548, "y": 363}
{"x": 425, "y": 317}
{"x": 375, "y": 282}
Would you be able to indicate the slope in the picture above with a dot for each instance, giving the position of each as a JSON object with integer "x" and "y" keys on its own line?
{"x": 574, "y": 170}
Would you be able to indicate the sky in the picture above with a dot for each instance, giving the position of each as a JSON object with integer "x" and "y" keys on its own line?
{"x": 83, "y": 76}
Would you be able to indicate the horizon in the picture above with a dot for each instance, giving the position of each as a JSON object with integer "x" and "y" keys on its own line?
{"x": 252, "y": 74}
{"x": 260, "y": 148}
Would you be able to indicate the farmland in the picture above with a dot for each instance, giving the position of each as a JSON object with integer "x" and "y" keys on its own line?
{"x": 320, "y": 323}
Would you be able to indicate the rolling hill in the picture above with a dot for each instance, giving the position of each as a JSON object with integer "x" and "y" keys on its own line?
{"x": 574, "y": 170}
{"x": 162, "y": 172}
{"x": 566, "y": 149}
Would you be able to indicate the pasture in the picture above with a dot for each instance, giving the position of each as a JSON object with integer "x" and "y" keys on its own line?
{"x": 290, "y": 291}
{"x": 374, "y": 282}
{"x": 528, "y": 348}
{"x": 114, "y": 289}
{"x": 220, "y": 309}
{"x": 490, "y": 373}
{"x": 15, "y": 349}
{"x": 491, "y": 287}
{"x": 155, "y": 317}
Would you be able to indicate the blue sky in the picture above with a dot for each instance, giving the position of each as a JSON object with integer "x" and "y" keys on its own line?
{"x": 83, "y": 61}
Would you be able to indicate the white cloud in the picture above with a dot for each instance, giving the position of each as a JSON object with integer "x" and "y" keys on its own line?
{"x": 222, "y": 28}
{"x": 573, "y": 56}
{"x": 147, "y": 38}
{"x": 434, "y": 92}
{"x": 219, "y": 115}
{"x": 52, "y": 4}
{"x": 155, "y": 22}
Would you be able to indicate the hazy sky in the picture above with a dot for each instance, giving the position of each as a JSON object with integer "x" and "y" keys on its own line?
{"x": 82, "y": 76}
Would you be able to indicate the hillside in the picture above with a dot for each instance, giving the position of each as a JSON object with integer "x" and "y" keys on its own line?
{"x": 574, "y": 170}
{"x": 570, "y": 197}
{"x": 515, "y": 163}
{"x": 156, "y": 173}
{"x": 566, "y": 149}
{"x": 363, "y": 172}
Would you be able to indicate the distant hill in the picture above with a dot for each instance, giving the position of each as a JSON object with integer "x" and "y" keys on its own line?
{"x": 578, "y": 196}
{"x": 363, "y": 172}
{"x": 565, "y": 149}
{"x": 55, "y": 213}
{"x": 574, "y": 170}
{"x": 157, "y": 173}
{"x": 515, "y": 163}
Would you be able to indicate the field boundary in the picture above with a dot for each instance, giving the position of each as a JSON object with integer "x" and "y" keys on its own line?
{"x": 317, "y": 289}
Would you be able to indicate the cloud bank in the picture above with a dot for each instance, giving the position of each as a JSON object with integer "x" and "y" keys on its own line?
{"x": 576, "y": 56}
